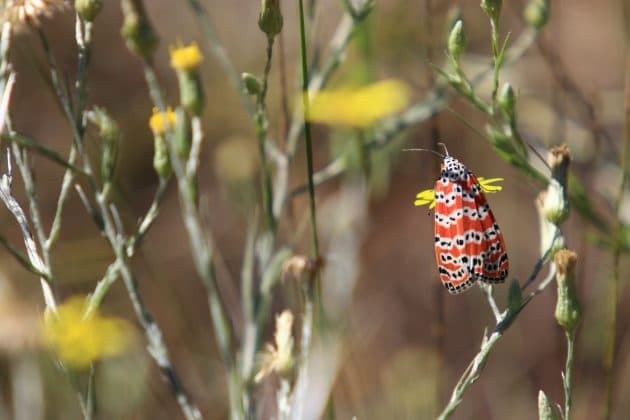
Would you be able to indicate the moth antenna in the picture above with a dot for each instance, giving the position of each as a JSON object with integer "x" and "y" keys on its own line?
{"x": 426, "y": 150}
{"x": 445, "y": 149}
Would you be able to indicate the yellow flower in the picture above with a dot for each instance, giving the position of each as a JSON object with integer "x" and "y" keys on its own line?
{"x": 160, "y": 121}
{"x": 279, "y": 359}
{"x": 428, "y": 196}
{"x": 186, "y": 58}
{"x": 80, "y": 339}
{"x": 359, "y": 107}
{"x": 29, "y": 11}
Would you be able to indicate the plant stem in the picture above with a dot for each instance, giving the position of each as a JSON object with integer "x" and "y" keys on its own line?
{"x": 309, "y": 148}
{"x": 611, "y": 345}
{"x": 262, "y": 125}
{"x": 568, "y": 375}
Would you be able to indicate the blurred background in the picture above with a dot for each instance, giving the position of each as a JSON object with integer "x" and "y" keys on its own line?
{"x": 408, "y": 340}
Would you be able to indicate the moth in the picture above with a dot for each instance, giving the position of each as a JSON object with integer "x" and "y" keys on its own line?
{"x": 469, "y": 245}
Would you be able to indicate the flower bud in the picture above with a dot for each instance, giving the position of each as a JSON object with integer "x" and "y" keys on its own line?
{"x": 555, "y": 205}
{"x": 568, "y": 311}
{"x": 492, "y": 8}
{"x": 551, "y": 238}
{"x": 507, "y": 100}
{"x": 137, "y": 30}
{"x": 456, "y": 40}
{"x": 545, "y": 408}
{"x": 182, "y": 136}
{"x": 537, "y": 13}
{"x": 109, "y": 132}
{"x": 270, "y": 18}
{"x": 161, "y": 160}
{"x": 252, "y": 83}
{"x": 191, "y": 93}
{"x": 88, "y": 9}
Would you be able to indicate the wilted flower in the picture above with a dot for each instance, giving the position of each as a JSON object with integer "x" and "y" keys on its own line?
{"x": 428, "y": 196}
{"x": 359, "y": 107}
{"x": 80, "y": 338}
{"x": 279, "y": 359}
{"x": 30, "y": 11}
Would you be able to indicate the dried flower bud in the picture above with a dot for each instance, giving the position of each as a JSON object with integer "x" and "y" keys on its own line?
{"x": 568, "y": 311}
{"x": 507, "y": 100}
{"x": 252, "y": 83}
{"x": 456, "y": 40}
{"x": 559, "y": 160}
{"x": 279, "y": 358}
{"x": 299, "y": 265}
{"x": 88, "y": 9}
{"x": 137, "y": 30}
{"x": 492, "y": 8}
{"x": 537, "y": 13}
{"x": 270, "y": 18}
{"x": 545, "y": 408}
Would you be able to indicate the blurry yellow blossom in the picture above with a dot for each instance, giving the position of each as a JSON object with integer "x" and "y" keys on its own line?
{"x": 80, "y": 339}
{"x": 159, "y": 121}
{"x": 29, "y": 11}
{"x": 428, "y": 196}
{"x": 187, "y": 58}
{"x": 359, "y": 107}
{"x": 279, "y": 359}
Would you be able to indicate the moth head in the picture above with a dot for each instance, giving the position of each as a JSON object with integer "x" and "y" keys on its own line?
{"x": 453, "y": 169}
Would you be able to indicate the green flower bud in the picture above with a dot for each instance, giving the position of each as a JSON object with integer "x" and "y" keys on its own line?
{"x": 454, "y": 14}
{"x": 88, "y": 9}
{"x": 137, "y": 30}
{"x": 507, "y": 100}
{"x": 537, "y": 13}
{"x": 252, "y": 83}
{"x": 270, "y": 18}
{"x": 568, "y": 311}
{"x": 555, "y": 205}
{"x": 191, "y": 93}
{"x": 110, "y": 133}
{"x": 545, "y": 408}
{"x": 182, "y": 134}
{"x": 492, "y": 8}
{"x": 161, "y": 160}
{"x": 456, "y": 41}
{"x": 550, "y": 235}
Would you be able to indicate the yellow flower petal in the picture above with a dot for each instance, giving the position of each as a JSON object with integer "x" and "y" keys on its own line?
{"x": 425, "y": 197}
{"x": 186, "y": 58}
{"x": 359, "y": 107}
{"x": 486, "y": 184}
{"x": 160, "y": 121}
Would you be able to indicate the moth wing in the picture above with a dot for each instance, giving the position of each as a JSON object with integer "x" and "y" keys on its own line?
{"x": 450, "y": 229}
{"x": 489, "y": 260}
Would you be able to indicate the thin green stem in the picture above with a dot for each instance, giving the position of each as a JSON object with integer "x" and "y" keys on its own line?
{"x": 309, "y": 146}
{"x": 613, "y": 301}
{"x": 497, "y": 61}
{"x": 568, "y": 372}
{"x": 262, "y": 125}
